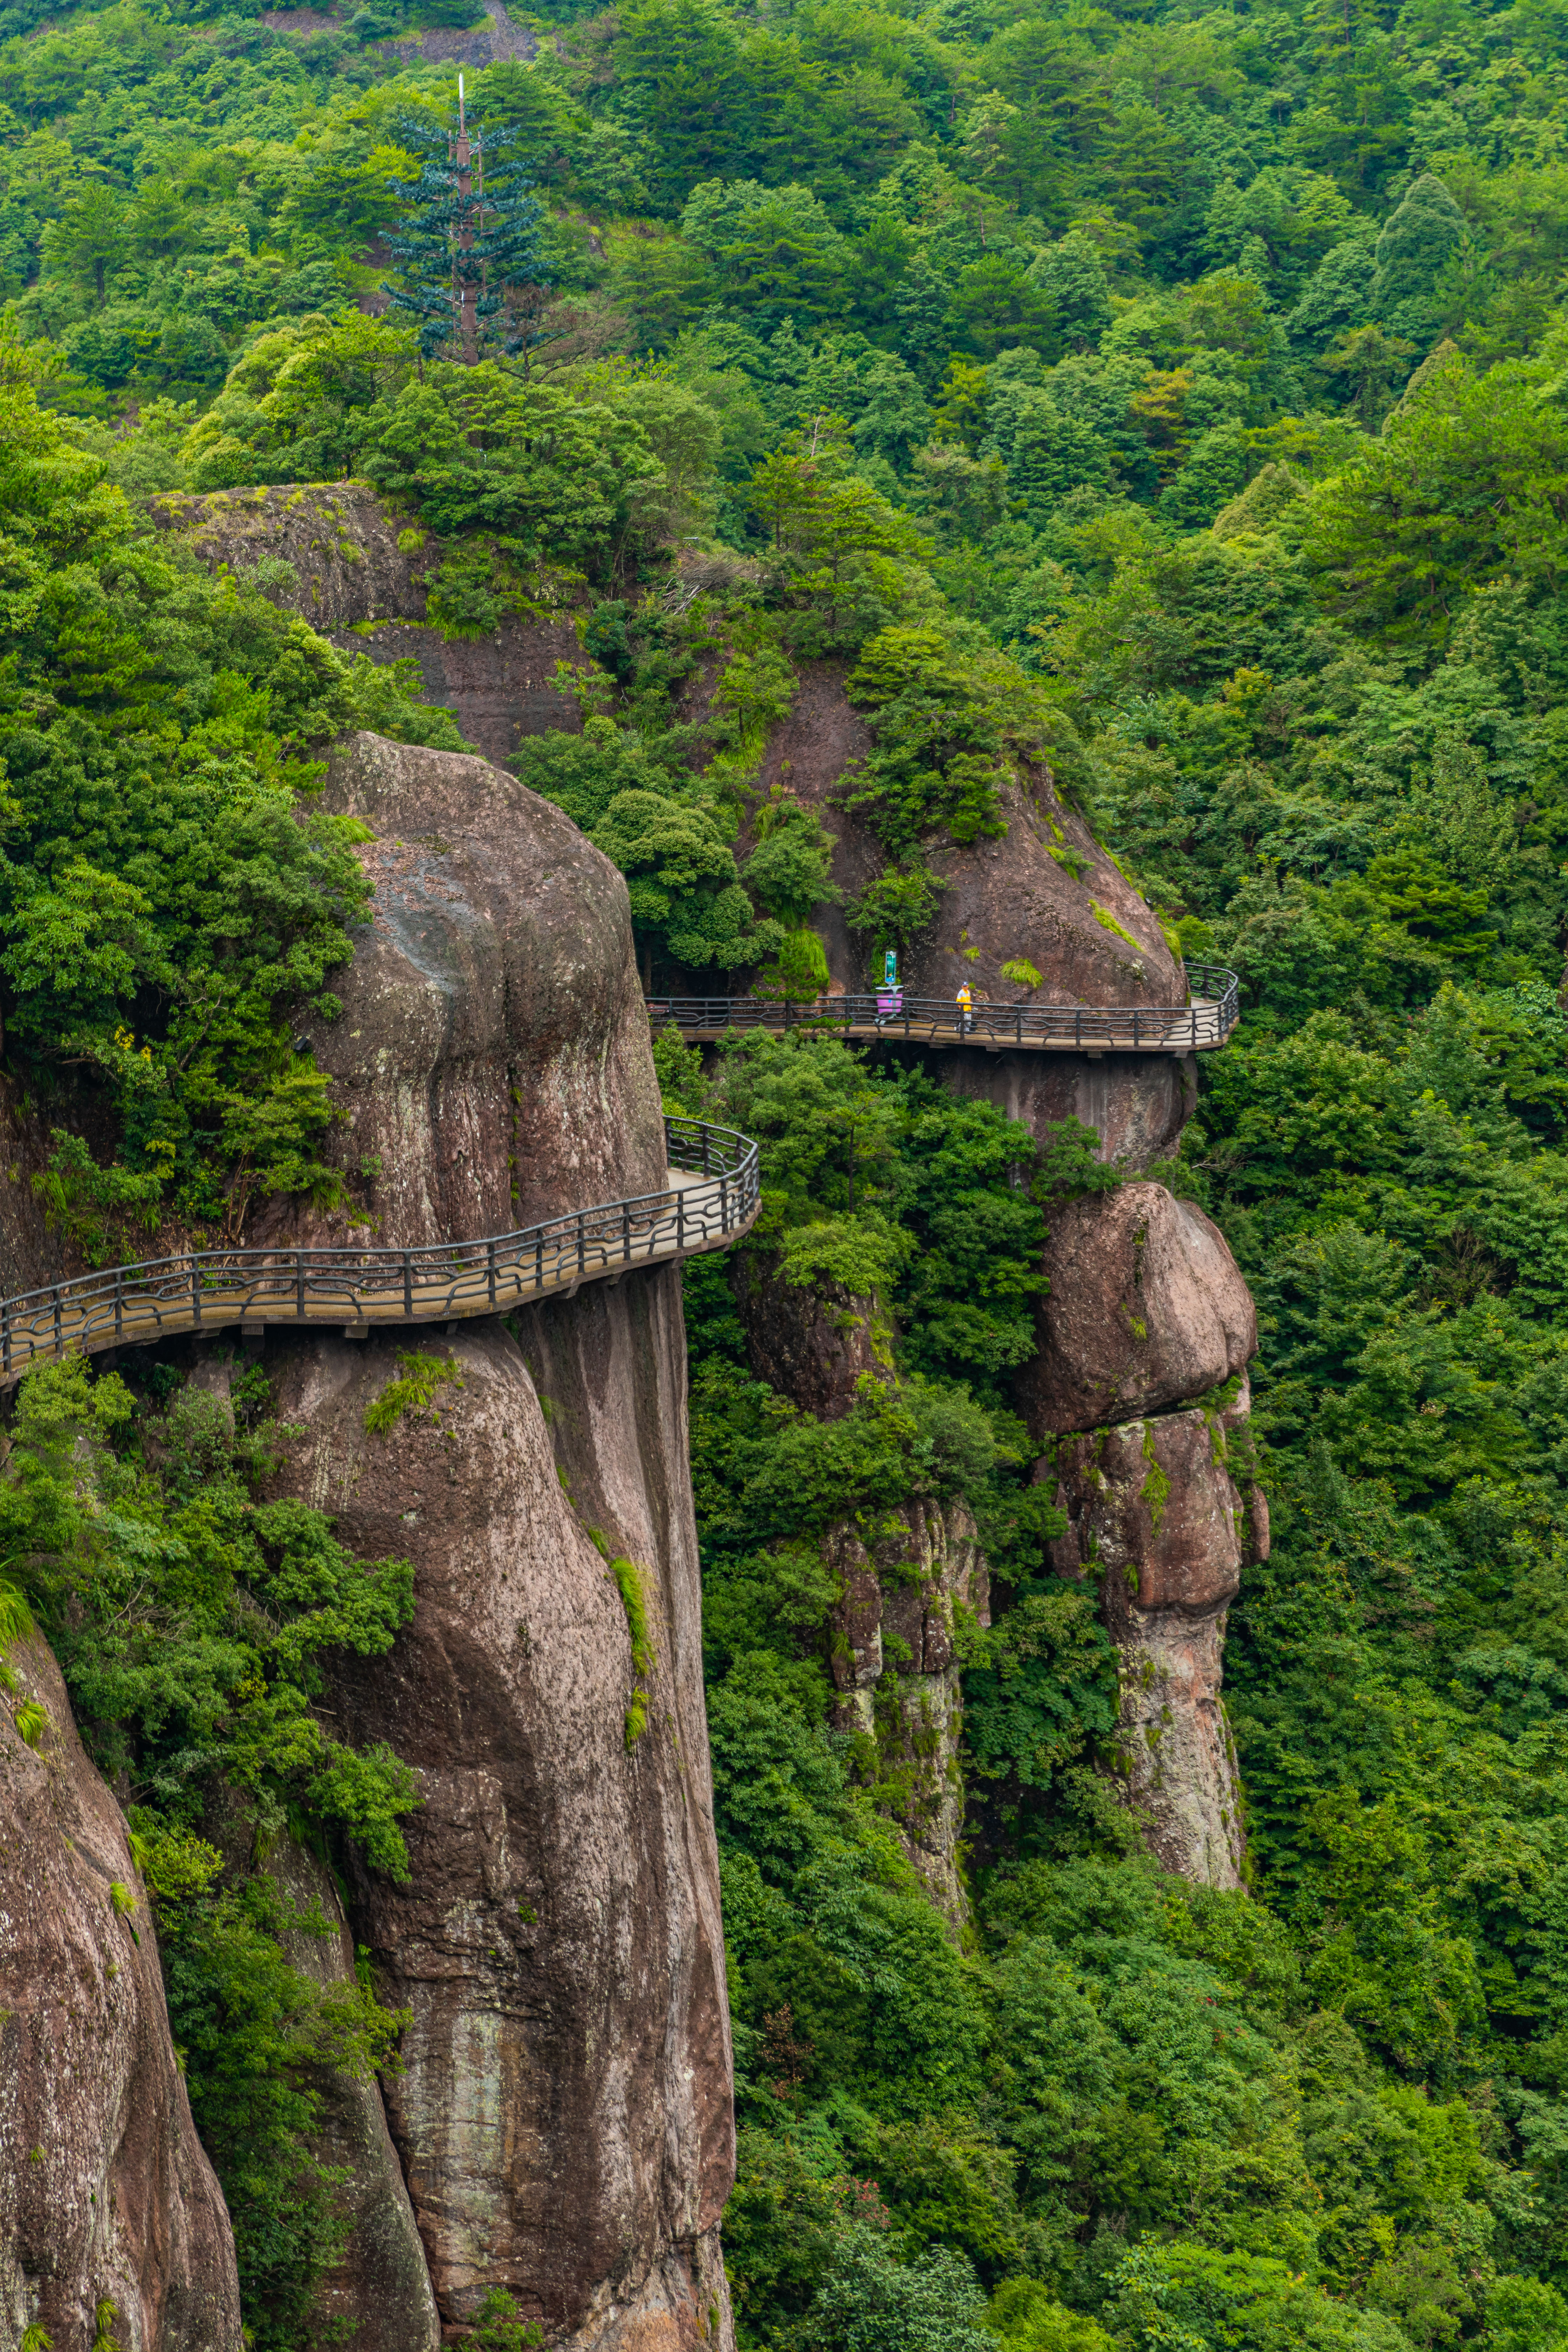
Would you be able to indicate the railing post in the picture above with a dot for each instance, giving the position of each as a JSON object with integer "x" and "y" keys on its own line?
{"x": 679, "y": 1222}
{"x": 195, "y": 1290}
{"x": 408, "y": 1282}
{"x": 490, "y": 1270}
{"x": 539, "y": 1263}
{"x": 723, "y": 1204}
{"x": 300, "y": 1283}
{"x": 1194, "y": 1025}
{"x": 59, "y": 1333}
{"x": 707, "y": 1169}
{"x": 1078, "y": 1027}
{"x": 627, "y": 1232}
{"x": 1135, "y": 1024}
{"x": 1019, "y": 1024}
{"x": 119, "y": 1304}
{"x": 581, "y": 1245}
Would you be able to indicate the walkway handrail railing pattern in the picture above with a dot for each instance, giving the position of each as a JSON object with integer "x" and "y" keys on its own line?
{"x": 1206, "y": 1020}
{"x": 203, "y": 1290}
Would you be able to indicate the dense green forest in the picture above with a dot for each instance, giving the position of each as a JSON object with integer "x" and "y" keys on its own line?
{"x": 1177, "y": 396}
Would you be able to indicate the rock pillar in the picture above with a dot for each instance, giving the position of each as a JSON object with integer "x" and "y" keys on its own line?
{"x": 1139, "y": 1392}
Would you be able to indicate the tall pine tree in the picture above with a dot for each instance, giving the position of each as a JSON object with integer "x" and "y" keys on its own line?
{"x": 471, "y": 259}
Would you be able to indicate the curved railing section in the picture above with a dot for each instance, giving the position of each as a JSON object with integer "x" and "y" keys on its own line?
{"x": 713, "y": 1198}
{"x": 1205, "y": 1020}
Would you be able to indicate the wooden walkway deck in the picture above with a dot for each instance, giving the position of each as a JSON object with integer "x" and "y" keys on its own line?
{"x": 711, "y": 1198}
{"x": 1203, "y": 1022}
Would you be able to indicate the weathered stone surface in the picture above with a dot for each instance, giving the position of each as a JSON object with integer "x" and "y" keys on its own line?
{"x": 1174, "y": 1756}
{"x": 1136, "y": 1103}
{"x": 1145, "y": 1308}
{"x": 564, "y": 2119}
{"x": 357, "y": 572}
{"x": 338, "y": 540}
{"x": 491, "y": 1058}
{"x": 1164, "y": 1513}
{"x": 1153, "y": 1506}
{"x": 105, "y": 2193}
{"x": 381, "y": 2286}
{"x": 1047, "y": 894}
{"x": 495, "y": 37}
{"x": 30, "y": 1254}
{"x": 811, "y": 1341}
{"x": 894, "y": 1662}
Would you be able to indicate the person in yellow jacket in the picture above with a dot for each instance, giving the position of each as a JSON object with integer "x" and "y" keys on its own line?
{"x": 965, "y": 1011}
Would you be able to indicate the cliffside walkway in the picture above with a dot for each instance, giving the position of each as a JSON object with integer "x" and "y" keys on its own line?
{"x": 711, "y": 1197}
{"x": 1206, "y": 1020}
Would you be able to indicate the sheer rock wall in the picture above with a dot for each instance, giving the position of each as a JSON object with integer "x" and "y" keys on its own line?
{"x": 562, "y": 2117}
{"x": 492, "y": 1061}
{"x": 106, "y": 2196}
{"x": 892, "y": 1649}
{"x": 335, "y": 553}
{"x": 1165, "y": 1512}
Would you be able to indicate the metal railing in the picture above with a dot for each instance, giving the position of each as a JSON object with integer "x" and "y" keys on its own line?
{"x": 1205, "y": 1020}
{"x": 208, "y": 1290}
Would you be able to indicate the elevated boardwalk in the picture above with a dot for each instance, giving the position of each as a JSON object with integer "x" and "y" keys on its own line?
{"x": 711, "y": 1198}
{"x": 1205, "y": 1020}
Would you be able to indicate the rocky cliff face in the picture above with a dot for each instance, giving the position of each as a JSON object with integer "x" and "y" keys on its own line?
{"x": 1164, "y": 1513}
{"x": 1145, "y": 1312}
{"x": 109, "y": 2209}
{"x": 893, "y": 1651}
{"x": 562, "y": 2123}
{"x": 562, "y": 2126}
{"x": 563, "y": 2119}
{"x": 380, "y": 2290}
{"x": 894, "y": 1658}
{"x": 491, "y": 1058}
{"x": 338, "y": 556}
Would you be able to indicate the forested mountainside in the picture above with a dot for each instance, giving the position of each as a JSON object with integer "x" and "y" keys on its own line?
{"x": 1153, "y": 415}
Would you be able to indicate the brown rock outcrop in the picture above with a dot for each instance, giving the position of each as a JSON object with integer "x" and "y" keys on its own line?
{"x": 1046, "y": 893}
{"x": 564, "y": 2115}
{"x": 1145, "y": 1308}
{"x": 894, "y": 1660}
{"x": 891, "y": 1649}
{"x": 1136, "y": 1103}
{"x": 338, "y": 555}
{"x": 106, "y": 2197}
{"x": 812, "y": 1341}
{"x": 1165, "y": 1513}
{"x": 491, "y": 1058}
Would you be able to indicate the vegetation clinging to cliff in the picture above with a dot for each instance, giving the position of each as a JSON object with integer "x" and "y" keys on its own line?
{"x": 192, "y": 1623}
